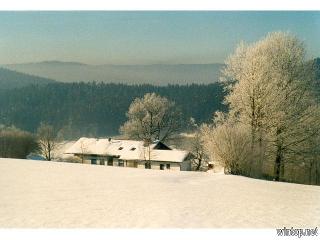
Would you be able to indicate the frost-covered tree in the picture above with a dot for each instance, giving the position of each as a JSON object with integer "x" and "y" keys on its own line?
{"x": 47, "y": 140}
{"x": 15, "y": 143}
{"x": 152, "y": 118}
{"x": 200, "y": 158}
{"x": 227, "y": 143}
{"x": 271, "y": 98}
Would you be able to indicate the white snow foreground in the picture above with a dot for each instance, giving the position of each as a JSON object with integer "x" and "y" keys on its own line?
{"x": 52, "y": 194}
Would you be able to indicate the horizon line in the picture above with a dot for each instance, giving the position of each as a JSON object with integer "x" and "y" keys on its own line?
{"x": 105, "y": 64}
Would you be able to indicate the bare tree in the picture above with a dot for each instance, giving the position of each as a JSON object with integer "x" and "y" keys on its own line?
{"x": 83, "y": 149}
{"x": 47, "y": 140}
{"x": 152, "y": 118}
{"x": 147, "y": 153}
{"x": 200, "y": 158}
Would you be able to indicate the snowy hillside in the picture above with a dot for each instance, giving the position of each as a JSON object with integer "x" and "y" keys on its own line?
{"x": 52, "y": 194}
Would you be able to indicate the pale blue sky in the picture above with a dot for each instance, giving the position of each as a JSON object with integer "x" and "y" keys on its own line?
{"x": 144, "y": 37}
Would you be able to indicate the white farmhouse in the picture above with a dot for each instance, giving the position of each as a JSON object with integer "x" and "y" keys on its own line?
{"x": 129, "y": 153}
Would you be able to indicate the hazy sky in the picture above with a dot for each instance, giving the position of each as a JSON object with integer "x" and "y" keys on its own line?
{"x": 144, "y": 37}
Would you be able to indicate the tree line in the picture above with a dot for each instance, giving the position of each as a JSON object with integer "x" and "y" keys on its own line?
{"x": 16, "y": 143}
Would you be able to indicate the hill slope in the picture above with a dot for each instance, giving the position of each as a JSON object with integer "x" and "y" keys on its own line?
{"x": 50, "y": 194}
{"x": 87, "y": 109}
{"x": 11, "y": 79}
{"x": 156, "y": 74}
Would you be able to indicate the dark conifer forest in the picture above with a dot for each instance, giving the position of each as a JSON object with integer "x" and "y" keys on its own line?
{"x": 98, "y": 109}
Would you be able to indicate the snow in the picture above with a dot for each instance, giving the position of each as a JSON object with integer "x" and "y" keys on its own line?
{"x": 89, "y": 146}
{"x": 126, "y": 145}
{"x": 59, "y": 151}
{"x": 56, "y": 194}
{"x": 125, "y": 149}
{"x": 167, "y": 155}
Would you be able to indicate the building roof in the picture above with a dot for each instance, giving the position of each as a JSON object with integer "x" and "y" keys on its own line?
{"x": 126, "y": 150}
{"x": 89, "y": 146}
{"x": 168, "y": 155}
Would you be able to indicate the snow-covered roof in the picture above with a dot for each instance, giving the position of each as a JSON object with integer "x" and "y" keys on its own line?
{"x": 168, "y": 155}
{"x": 89, "y": 146}
{"x": 125, "y": 149}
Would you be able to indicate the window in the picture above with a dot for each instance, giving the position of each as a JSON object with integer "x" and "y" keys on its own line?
{"x": 132, "y": 149}
{"x": 120, "y": 148}
{"x": 135, "y": 164}
{"x": 161, "y": 166}
{"x": 168, "y": 166}
{"x": 93, "y": 161}
{"x": 110, "y": 162}
{"x": 120, "y": 163}
{"x": 147, "y": 165}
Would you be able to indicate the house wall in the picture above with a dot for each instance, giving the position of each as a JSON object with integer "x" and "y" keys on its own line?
{"x": 100, "y": 160}
{"x": 126, "y": 163}
{"x": 103, "y": 160}
{"x": 115, "y": 162}
{"x": 186, "y": 165}
{"x": 156, "y": 165}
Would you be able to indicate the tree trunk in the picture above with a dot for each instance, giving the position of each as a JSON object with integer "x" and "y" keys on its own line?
{"x": 253, "y": 136}
{"x": 198, "y": 166}
{"x": 310, "y": 172}
{"x": 282, "y": 178}
{"x": 261, "y": 156}
{"x": 251, "y": 162}
{"x": 278, "y": 166}
{"x": 49, "y": 155}
{"x": 278, "y": 163}
{"x": 317, "y": 173}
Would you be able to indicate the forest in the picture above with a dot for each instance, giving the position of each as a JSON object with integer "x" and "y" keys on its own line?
{"x": 98, "y": 109}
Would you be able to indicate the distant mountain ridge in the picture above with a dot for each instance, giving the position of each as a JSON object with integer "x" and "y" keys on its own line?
{"x": 10, "y": 79}
{"x": 54, "y": 62}
{"x": 155, "y": 74}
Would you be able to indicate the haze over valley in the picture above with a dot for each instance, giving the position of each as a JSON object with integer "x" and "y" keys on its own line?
{"x": 156, "y": 74}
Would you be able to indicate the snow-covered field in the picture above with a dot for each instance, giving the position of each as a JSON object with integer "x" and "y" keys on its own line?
{"x": 52, "y": 194}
